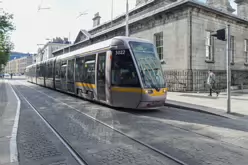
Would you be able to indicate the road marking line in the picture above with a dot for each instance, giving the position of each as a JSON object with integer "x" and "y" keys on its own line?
{"x": 13, "y": 144}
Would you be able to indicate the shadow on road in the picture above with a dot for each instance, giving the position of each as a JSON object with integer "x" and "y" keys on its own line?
{"x": 192, "y": 117}
{"x": 168, "y": 113}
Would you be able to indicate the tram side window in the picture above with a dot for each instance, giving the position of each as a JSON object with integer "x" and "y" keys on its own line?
{"x": 90, "y": 69}
{"x": 43, "y": 69}
{"x": 70, "y": 70}
{"x": 123, "y": 71}
{"x": 57, "y": 69}
{"x": 38, "y": 71}
{"x": 63, "y": 70}
{"x": 80, "y": 71}
{"x": 47, "y": 65}
{"x": 51, "y": 70}
{"x": 48, "y": 69}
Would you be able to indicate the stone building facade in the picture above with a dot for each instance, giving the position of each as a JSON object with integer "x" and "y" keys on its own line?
{"x": 181, "y": 30}
{"x": 46, "y": 51}
{"x": 17, "y": 66}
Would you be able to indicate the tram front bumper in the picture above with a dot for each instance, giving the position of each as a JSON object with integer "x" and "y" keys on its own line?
{"x": 150, "y": 104}
{"x": 153, "y": 99}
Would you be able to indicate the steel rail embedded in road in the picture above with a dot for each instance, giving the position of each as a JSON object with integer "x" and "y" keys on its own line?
{"x": 119, "y": 131}
{"x": 70, "y": 149}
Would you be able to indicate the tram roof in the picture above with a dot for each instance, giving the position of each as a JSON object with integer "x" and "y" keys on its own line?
{"x": 90, "y": 48}
{"x": 94, "y": 47}
{"x": 99, "y": 46}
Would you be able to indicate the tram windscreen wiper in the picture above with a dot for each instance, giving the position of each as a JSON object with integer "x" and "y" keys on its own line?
{"x": 157, "y": 81}
{"x": 150, "y": 81}
{"x": 155, "y": 87}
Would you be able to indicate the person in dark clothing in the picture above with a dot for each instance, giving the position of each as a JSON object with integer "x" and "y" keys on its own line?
{"x": 212, "y": 83}
{"x": 11, "y": 75}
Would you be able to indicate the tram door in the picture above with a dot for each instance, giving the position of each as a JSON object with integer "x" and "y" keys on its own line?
{"x": 70, "y": 76}
{"x": 101, "y": 76}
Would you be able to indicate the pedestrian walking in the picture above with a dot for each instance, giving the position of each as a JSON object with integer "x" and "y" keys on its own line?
{"x": 212, "y": 83}
{"x": 11, "y": 74}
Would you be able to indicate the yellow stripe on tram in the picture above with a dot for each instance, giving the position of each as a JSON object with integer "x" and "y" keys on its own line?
{"x": 79, "y": 84}
{"x": 161, "y": 92}
{"x": 130, "y": 90}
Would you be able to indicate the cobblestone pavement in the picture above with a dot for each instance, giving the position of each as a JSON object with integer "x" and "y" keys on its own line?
{"x": 36, "y": 142}
{"x": 8, "y": 110}
{"x": 94, "y": 142}
{"x": 191, "y": 137}
{"x": 3, "y": 96}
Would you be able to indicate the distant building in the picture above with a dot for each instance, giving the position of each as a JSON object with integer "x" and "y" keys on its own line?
{"x": 16, "y": 55}
{"x": 181, "y": 31}
{"x": 46, "y": 51}
{"x": 17, "y": 66}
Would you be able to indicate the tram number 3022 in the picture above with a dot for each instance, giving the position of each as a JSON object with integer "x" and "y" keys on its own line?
{"x": 120, "y": 52}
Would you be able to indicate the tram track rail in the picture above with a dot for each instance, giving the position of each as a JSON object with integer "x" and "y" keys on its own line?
{"x": 72, "y": 151}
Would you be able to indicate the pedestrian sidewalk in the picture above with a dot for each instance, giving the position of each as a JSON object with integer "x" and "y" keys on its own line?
{"x": 8, "y": 108}
{"x": 213, "y": 105}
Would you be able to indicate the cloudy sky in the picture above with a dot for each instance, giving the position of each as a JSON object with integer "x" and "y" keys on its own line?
{"x": 33, "y": 27}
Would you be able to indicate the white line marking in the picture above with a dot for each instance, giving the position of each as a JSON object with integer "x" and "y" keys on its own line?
{"x": 13, "y": 145}
{"x": 115, "y": 129}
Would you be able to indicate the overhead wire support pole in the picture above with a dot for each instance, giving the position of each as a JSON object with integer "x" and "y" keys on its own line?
{"x": 127, "y": 18}
{"x": 228, "y": 70}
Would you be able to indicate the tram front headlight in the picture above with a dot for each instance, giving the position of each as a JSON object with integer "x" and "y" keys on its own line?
{"x": 165, "y": 90}
{"x": 149, "y": 91}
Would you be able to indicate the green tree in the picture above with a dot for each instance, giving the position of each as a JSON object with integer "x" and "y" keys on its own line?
{"x": 6, "y": 26}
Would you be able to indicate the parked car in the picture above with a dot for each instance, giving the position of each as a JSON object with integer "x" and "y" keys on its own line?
{"x": 6, "y": 75}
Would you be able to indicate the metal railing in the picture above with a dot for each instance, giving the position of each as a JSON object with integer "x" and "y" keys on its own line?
{"x": 196, "y": 80}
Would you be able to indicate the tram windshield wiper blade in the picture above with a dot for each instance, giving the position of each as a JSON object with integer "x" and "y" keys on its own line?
{"x": 155, "y": 87}
{"x": 149, "y": 78}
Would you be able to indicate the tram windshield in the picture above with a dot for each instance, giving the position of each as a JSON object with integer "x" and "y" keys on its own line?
{"x": 149, "y": 64}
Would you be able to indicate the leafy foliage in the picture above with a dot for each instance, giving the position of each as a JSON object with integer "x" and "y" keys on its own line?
{"x": 6, "y": 26}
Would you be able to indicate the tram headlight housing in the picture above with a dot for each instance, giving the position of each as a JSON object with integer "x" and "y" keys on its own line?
{"x": 149, "y": 91}
{"x": 165, "y": 90}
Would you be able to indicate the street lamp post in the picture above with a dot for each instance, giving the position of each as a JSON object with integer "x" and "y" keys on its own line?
{"x": 127, "y": 18}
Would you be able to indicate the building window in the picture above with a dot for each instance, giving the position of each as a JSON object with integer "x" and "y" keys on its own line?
{"x": 232, "y": 49}
{"x": 246, "y": 51}
{"x": 209, "y": 46}
{"x": 158, "y": 37}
